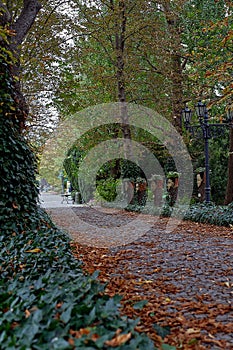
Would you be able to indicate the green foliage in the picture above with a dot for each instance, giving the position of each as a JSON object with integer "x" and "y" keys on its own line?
{"x": 115, "y": 168}
{"x": 211, "y": 214}
{"x": 45, "y": 298}
{"x": 172, "y": 174}
{"x": 17, "y": 162}
{"x": 208, "y": 36}
{"x": 218, "y": 165}
{"x": 218, "y": 158}
{"x": 17, "y": 168}
{"x": 161, "y": 331}
{"x": 202, "y": 212}
{"x": 107, "y": 189}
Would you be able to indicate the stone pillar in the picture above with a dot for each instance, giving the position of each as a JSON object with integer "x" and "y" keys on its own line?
{"x": 201, "y": 186}
{"x": 157, "y": 190}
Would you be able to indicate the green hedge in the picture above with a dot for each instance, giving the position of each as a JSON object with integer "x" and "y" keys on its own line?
{"x": 201, "y": 212}
{"x": 211, "y": 214}
{"x": 45, "y": 298}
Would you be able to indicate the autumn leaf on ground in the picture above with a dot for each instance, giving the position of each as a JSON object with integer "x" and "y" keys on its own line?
{"x": 118, "y": 339}
{"x": 80, "y": 333}
{"x": 193, "y": 331}
{"x": 36, "y": 250}
{"x": 27, "y": 313}
{"x": 14, "y": 205}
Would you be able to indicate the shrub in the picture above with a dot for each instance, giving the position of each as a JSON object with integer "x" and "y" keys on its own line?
{"x": 106, "y": 190}
{"x": 210, "y": 213}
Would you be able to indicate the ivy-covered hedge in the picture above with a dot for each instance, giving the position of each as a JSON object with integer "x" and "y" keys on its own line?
{"x": 46, "y": 301}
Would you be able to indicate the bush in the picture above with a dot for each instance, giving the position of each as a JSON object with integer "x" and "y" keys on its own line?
{"x": 201, "y": 212}
{"x": 106, "y": 190}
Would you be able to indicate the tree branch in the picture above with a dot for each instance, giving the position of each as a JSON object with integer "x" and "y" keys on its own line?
{"x": 5, "y": 16}
{"x": 25, "y": 20}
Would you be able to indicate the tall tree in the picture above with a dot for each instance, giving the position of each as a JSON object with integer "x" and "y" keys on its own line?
{"x": 19, "y": 25}
{"x": 18, "y": 186}
{"x": 128, "y": 48}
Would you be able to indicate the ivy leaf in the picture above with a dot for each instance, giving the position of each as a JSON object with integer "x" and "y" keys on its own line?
{"x": 140, "y": 304}
{"x": 168, "y": 347}
{"x": 65, "y": 316}
{"x": 161, "y": 331}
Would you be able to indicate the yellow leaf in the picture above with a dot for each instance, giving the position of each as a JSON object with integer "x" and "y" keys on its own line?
{"x": 193, "y": 331}
{"x": 167, "y": 300}
{"x": 36, "y": 250}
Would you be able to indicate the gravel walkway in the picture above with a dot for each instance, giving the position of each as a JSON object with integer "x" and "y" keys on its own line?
{"x": 190, "y": 268}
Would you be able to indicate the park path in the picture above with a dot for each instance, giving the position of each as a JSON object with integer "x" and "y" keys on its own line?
{"x": 185, "y": 275}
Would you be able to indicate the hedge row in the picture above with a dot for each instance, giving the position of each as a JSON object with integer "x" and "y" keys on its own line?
{"x": 201, "y": 212}
{"x": 211, "y": 214}
{"x": 46, "y": 301}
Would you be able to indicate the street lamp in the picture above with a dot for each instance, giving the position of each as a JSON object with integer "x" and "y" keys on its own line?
{"x": 208, "y": 131}
{"x": 186, "y": 116}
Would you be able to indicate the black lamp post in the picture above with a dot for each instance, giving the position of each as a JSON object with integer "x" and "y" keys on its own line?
{"x": 202, "y": 113}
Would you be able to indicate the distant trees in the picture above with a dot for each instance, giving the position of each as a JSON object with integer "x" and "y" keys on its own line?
{"x": 208, "y": 37}
{"x": 127, "y": 52}
{"x": 155, "y": 53}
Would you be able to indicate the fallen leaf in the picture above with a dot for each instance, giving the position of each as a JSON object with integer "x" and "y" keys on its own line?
{"x": 71, "y": 341}
{"x": 228, "y": 284}
{"x": 118, "y": 340}
{"x": 80, "y": 332}
{"x": 36, "y": 250}
{"x": 27, "y": 313}
{"x": 192, "y": 331}
{"x": 95, "y": 336}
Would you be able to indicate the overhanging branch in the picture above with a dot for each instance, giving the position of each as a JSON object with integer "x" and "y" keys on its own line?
{"x": 25, "y": 20}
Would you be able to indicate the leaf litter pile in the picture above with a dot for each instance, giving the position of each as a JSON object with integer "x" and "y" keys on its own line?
{"x": 180, "y": 284}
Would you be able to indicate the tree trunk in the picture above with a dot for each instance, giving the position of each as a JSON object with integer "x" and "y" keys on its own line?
{"x": 24, "y": 22}
{"x": 19, "y": 29}
{"x": 177, "y": 66}
{"x": 120, "y": 65}
{"x": 18, "y": 187}
{"x": 229, "y": 189}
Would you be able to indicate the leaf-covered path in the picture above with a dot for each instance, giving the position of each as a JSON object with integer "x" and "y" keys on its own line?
{"x": 186, "y": 277}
